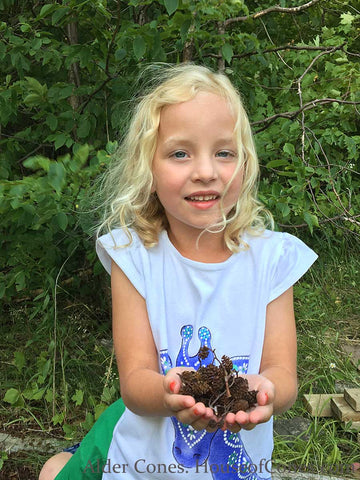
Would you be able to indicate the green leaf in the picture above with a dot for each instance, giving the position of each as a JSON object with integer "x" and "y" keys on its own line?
{"x": 139, "y": 47}
{"x": 46, "y": 9}
{"x": 49, "y": 396}
{"x": 33, "y": 99}
{"x": 171, "y": 6}
{"x": 284, "y": 209}
{"x": 25, "y": 27}
{"x": 34, "y": 392}
{"x": 36, "y": 86}
{"x": 56, "y": 176}
{"x": 111, "y": 147}
{"x": 89, "y": 421}
{"x": 58, "y": 418}
{"x": 311, "y": 220}
{"x": 277, "y": 163}
{"x": 59, "y": 14}
{"x": 78, "y": 397}
{"x": 120, "y": 54}
{"x": 289, "y": 148}
{"x": 99, "y": 409}
{"x": 80, "y": 157}
{"x": 184, "y": 29}
{"x": 20, "y": 281}
{"x": 46, "y": 367}
{"x": 3, "y": 457}
{"x": 108, "y": 395}
{"x": 37, "y": 163}
{"x": 347, "y": 18}
{"x": 61, "y": 220}
{"x": 60, "y": 140}
{"x": 52, "y": 122}
{"x": 227, "y": 52}
{"x": 19, "y": 360}
{"x": 12, "y": 396}
{"x": 84, "y": 126}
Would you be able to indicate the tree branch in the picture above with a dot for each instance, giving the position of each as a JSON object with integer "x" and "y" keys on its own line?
{"x": 283, "y": 47}
{"x": 325, "y": 220}
{"x": 113, "y": 40}
{"x": 74, "y": 74}
{"x": 221, "y": 61}
{"x": 276, "y": 8}
{"x": 307, "y": 106}
{"x": 97, "y": 90}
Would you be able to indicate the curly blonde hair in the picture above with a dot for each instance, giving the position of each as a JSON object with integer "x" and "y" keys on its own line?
{"x": 128, "y": 181}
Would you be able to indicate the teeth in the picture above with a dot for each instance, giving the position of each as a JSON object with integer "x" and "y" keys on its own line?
{"x": 201, "y": 198}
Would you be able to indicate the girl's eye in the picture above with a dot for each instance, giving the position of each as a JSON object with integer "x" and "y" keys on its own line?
{"x": 225, "y": 154}
{"x": 179, "y": 154}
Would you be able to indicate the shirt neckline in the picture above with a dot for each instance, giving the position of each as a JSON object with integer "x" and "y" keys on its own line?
{"x": 194, "y": 263}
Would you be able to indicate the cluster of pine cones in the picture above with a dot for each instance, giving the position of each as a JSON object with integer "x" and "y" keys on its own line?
{"x": 218, "y": 386}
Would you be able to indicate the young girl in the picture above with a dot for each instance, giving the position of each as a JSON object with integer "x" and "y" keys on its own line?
{"x": 191, "y": 265}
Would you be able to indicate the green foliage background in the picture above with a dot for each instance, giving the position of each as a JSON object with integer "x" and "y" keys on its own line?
{"x": 69, "y": 73}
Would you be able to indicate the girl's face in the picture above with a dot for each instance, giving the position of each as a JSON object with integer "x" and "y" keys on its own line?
{"x": 195, "y": 158}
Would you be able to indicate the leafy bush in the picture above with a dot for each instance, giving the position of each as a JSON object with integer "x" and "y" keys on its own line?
{"x": 68, "y": 77}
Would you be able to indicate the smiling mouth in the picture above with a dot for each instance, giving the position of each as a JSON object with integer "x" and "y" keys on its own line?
{"x": 202, "y": 198}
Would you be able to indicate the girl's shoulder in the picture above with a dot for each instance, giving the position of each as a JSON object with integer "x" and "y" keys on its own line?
{"x": 279, "y": 247}
{"x": 120, "y": 238}
{"x": 270, "y": 240}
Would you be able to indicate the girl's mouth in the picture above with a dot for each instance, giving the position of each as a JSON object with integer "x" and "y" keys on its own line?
{"x": 202, "y": 198}
{"x": 203, "y": 201}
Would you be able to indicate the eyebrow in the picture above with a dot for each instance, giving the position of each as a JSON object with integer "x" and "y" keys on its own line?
{"x": 186, "y": 141}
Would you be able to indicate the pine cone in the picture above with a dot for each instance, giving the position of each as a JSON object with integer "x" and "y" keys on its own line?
{"x": 226, "y": 363}
{"x": 203, "y": 352}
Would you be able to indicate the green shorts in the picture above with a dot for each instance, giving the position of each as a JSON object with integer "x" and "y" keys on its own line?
{"x": 89, "y": 459}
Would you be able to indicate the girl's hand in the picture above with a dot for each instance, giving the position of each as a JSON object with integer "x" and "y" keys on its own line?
{"x": 184, "y": 407}
{"x": 258, "y": 414}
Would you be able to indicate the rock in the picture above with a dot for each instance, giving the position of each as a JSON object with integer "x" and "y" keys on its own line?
{"x": 11, "y": 444}
{"x": 292, "y": 427}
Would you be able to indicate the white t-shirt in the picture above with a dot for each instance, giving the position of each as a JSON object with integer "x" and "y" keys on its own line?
{"x": 191, "y": 304}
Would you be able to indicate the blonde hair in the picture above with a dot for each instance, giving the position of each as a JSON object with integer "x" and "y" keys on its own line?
{"x": 128, "y": 181}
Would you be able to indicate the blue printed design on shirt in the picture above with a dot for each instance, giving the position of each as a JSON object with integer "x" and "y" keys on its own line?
{"x": 219, "y": 453}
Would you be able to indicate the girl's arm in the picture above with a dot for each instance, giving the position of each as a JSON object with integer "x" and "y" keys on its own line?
{"x": 277, "y": 379}
{"x": 278, "y": 362}
{"x": 144, "y": 389}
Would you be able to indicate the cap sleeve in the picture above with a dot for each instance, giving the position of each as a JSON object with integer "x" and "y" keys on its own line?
{"x": 115, "y": 246}
{"x": 295, "y": 258}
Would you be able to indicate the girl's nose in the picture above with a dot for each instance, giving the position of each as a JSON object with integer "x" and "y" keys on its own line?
{"x": 204, "y": 170}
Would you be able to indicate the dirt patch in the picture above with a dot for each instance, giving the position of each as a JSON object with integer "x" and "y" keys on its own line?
{"x": 11, "y": 471}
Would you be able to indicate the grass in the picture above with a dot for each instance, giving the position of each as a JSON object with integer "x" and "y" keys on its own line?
{"x": 64, "y": 401}
{"x": 327, "y": 305}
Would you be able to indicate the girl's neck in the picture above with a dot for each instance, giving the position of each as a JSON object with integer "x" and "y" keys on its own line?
{"x": 207, "y": 248}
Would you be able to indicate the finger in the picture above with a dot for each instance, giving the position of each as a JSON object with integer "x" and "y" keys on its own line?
{"x": 261, "y": 414}
{"x": 264, "y": 398}
{"x": 230, "y": 423}
{"x": 235, "y": 428}
{"x": 172, "y": 384}
{"x": 200, "y": 424}
{"x": 177, "y": 403}
{"x": 192, "y": 414}
{"x": 198, "y": 416}
{"x": 242, "y": 418}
